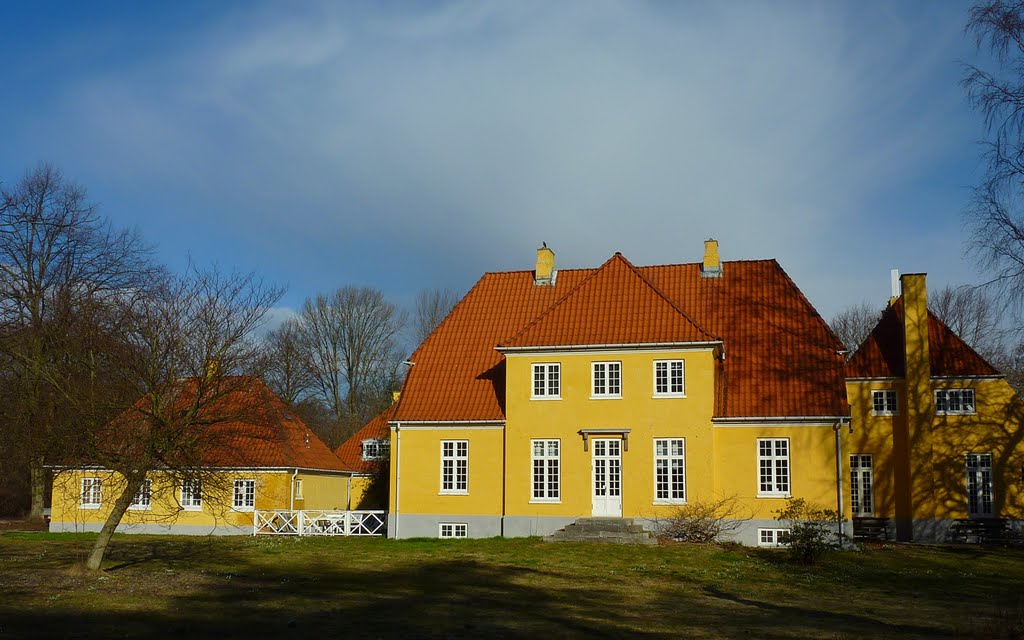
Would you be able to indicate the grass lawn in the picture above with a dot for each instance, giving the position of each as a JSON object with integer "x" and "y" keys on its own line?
{"x": 157, "y": 586}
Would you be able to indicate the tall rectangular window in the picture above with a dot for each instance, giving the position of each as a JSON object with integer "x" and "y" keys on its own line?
{"x": 979, "y": 485}
{"x": 547, "y": 383}
{"x": 883, "y": 402}
{"x": 954, "y": 401}
{"x": 142, "y": 496}
{"x": 244, "y": 495}
{"x": 92, "y": 493}
{"x": 607, "y": 379}
{"x": 544, "y": 457}
{"x": 454, "y": 466}
{"x": 192, "y": 495}
{"x": 670, "y": 470}
{"x": 773, "y": 467}
{"x": 861, "y": 492}
{"x": 668, "y": 378}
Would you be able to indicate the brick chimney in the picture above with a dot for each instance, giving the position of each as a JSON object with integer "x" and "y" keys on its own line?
{"x": 711, "y": 267}
{"x": 545, "y": 273}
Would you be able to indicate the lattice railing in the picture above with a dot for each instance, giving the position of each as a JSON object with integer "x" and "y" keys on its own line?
{"x": 319, "y": 523}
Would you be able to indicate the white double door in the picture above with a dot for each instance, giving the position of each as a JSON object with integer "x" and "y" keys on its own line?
{"x": 607, "y": 477}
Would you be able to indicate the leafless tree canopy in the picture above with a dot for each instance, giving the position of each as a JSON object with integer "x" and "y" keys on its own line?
{"x": 287, "y": 371}
{"x": 974, "y": 315}
{"x": 854, "y": 323}
{"x": 432, "y": 307}
{"x": 995, "y": 215}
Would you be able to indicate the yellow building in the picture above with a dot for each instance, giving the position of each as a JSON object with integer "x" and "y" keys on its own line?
{"x": 937, "y": 443}
{"x": 620, "y": 391}
{"x": 270, "y": 460}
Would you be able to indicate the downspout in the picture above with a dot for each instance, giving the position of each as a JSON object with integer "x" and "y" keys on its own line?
{"x": 398, "y": 474}
{"x": 840, "y": 499}
{"x": 291, "y": 503}
{"x": 348, "y": 493}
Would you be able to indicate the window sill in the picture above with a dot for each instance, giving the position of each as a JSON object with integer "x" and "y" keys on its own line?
{"x": 546, "y": 501}
{"x": 883, "y": 414}
{"x": 140, "y": 508}
{"x": 243, "y": 509}
{"x": 774, "y": 495}
{"x": 453, "y": 493}
{"x": 606, "y": 397}
{"x": 193, "y": 509}
{"x": 546, "y": 397}
{"x": 956, "y": 413}
{"x": 676, "y": 502}
{"x": 668, "y": 395}
{"x": 89, "y": 506}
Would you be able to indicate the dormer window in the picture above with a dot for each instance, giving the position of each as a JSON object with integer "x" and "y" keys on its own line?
{"x": 376, "y": 448}
{"x": 954, "y": 402}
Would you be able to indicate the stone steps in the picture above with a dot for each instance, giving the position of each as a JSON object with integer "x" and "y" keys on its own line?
{"x": 608, "y": 530}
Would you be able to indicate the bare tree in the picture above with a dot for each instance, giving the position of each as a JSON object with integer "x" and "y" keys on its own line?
{"x": 287, "y": 370}
{"x": 57, "y": 257}
{"x": 432, "y": 307}
{"x": 181, "y": 346}
{"x": 995, "y": 215}
{"x": 854, "y": 324}
{"x": 974, "y": 315}
{"x": 351, "y": 341}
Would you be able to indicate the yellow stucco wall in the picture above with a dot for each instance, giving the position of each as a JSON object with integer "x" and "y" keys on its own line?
{"x": 273, "y": 491}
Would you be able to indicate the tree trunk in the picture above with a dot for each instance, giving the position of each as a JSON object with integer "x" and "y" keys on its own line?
{"x": 37, "y": 485}
{"x": 99, "y": 549}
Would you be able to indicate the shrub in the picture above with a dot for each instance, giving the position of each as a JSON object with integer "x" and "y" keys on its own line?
{"x": 704, "y": 521}
{"x": 811, "y": 530}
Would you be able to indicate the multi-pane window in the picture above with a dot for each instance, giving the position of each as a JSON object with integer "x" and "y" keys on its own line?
{"x": 954, "y": 401}
{"x": 376, "y": 448}
{"x": 979, "y": 485}
{"x": 668, "y": 378}
{"x": 298, "y": 489}
{"x": 544, "y": 457}
{"x": 454, "y": 466}
{"x": 861, "y": 495}
{"x": 670, "y": 470}
{"x": 607, "y": 379}
{"x": 142, "y": 496}
{"x": 772, "y": 537}
{"x": 92, "y": 492}
{"x": 883, "y": 402}
{"x": 192, "y": 495}
{"x": 547, "y": 380}
{"x": 244, "y": 495}
{"x": 773, "y": 467}
{"x": 453, "y": 530}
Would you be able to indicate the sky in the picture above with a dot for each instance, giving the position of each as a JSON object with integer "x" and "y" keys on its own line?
{"x": 412, "y": 145}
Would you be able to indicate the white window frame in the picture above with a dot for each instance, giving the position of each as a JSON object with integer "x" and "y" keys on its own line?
{"x": 945, "y": 397}
{"x": 546, "y": 471}
{"x": 773, "y": 537}
{"x": 668, "y": 458}
{"x": 886, "y": 395}
{"x": 862, "y": 476}
{"x": 298, "y": 489}
{"x": 451, "y": 465}
{"x": 605, "y": 367}
{"x": 549, "y": 377}
{"x": 92, "y": 493}
{"x": 376, "y": 448}
{"x": 192, "y": 495}
{"x": 776, "y": 479}
{"x": 979, "y": 479}
{"x": 143, "y": 498}
{"x": 452, "y": 530}
{"x": 244, "y": 500}
{"x": 670, "y": 382}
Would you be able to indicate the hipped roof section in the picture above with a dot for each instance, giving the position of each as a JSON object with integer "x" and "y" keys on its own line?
{"x": 881, "y": 353}
{"x": 781, "y": 358}
{"x": 351, "y": 451}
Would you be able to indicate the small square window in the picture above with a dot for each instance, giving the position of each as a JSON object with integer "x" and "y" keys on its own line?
{"x": 141, "y": 500}
{"x": 376, "y": 448}
{"x": 883, "y": 402}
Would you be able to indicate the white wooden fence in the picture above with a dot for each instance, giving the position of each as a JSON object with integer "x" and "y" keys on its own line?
{"x": 319, "y": 523}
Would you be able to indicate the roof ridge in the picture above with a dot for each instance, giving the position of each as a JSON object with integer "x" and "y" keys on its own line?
{"x": 617, "y": 255}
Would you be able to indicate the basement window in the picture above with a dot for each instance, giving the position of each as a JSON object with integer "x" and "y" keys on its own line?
{"x": 453, "y": 530}
{"x": 772, "y": 537}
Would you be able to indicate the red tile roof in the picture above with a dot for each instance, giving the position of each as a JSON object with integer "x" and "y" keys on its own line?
{"x": 881, "y": 353}
{"x": 781, "y": 357}
{"x": 351, "y": 451}
{"x": 246, "y": 425}
{"x": 613, "y": 305}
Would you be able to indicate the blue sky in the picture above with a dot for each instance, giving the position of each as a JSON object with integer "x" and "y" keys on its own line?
{"x": 413, "y": 145}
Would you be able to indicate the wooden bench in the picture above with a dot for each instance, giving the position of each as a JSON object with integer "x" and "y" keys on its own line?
{"x": 871, "y": 528}
{"x": 983, "y": 531}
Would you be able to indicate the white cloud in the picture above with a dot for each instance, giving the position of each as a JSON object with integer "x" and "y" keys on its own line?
{"x": 467, "y": 133}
